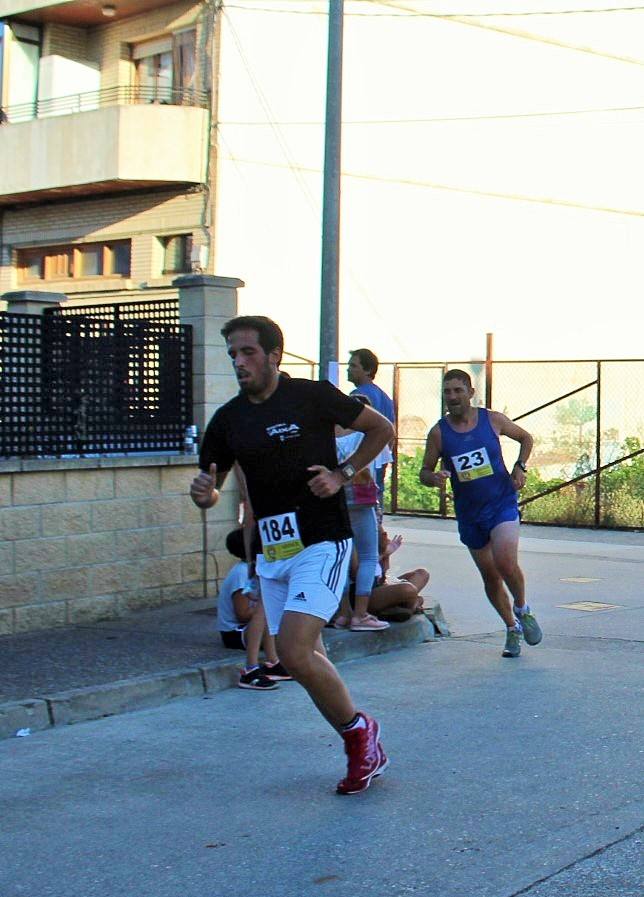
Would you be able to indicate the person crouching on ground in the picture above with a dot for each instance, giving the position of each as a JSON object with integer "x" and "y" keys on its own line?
{"x": 396, "y": 598}
{"x": 241, "y": 621}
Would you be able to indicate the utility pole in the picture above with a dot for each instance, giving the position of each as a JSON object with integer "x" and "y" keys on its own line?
{"x": 329, "y": 293}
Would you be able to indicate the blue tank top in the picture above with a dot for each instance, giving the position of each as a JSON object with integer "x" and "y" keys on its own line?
{"x": 480, "y": 480}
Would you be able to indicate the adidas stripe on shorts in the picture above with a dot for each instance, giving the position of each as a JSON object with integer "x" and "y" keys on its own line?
{"x": 311, "y": 582}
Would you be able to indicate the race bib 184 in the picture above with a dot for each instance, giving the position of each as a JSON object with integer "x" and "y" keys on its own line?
{"x": 280, "y": 537}
{"x": 472, "y": 465}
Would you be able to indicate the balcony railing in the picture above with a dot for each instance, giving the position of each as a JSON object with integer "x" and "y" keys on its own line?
{"x": 95, "y": 99}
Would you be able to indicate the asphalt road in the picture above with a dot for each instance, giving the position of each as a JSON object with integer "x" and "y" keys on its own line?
{"x": 508, "y": 777}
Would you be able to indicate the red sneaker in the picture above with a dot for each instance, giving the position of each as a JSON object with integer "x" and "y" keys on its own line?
{"x": 365, "y": 755}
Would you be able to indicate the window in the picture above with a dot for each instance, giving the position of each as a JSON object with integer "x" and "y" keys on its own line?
{"x": 120, "y": 256}
{"x": 184, "y": 62}
{"x": 177, "y": 251}
{"x": 89, "y": 261}
{"x": 76, "y": 261}
{"x": 165, "y": 68}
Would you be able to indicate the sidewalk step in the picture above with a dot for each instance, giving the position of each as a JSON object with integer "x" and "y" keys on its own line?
{"x": 139, "y": 692}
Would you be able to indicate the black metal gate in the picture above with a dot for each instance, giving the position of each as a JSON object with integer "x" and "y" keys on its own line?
{"x": 93, "y": 383}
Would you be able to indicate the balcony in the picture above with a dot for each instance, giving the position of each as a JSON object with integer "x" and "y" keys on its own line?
{"x": 75, "y": 12}
{"x": 106, "y": 141}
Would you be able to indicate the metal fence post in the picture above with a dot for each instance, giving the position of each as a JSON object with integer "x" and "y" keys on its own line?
{"x": 394, "y": 465}
{"x": 598, "y": 445}
{"x": 489, "y": 353}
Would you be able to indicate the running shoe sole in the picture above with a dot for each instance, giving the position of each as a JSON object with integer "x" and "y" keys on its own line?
{"x": 363, "y": 627}
{"x": 512, "y": 645}
{"x": 385, "y": 764}
{"x": 251, "y": 687}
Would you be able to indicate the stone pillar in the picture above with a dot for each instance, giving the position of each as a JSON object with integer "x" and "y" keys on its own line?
{"x": 207, "y": 302}
{"x": 32, "y": 302}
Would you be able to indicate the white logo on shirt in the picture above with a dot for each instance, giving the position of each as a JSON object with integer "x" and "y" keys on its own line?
{"x": 284, "y": 431}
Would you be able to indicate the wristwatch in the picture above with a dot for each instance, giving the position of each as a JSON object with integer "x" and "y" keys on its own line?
{"x": 522, "y": 465}
{"x": 348, "y": 471}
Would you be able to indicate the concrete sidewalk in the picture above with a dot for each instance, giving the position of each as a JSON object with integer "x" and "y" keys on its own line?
{"x": 76, "y": 673}
{"x": 80, "y": 673}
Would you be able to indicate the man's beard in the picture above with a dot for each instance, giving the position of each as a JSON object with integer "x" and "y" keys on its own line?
{"x": 258, "y": 386}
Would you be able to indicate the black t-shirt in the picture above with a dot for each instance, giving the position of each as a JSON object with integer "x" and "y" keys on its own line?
{"x": 275, "y": 442}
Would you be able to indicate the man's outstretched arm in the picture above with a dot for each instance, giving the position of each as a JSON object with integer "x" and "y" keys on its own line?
{"x": 378, "y": 431}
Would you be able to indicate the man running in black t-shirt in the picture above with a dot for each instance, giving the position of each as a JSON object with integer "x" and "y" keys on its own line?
{"x": 281, "y": 432}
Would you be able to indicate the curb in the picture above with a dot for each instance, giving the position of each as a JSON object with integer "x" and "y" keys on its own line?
{"x": 124, "y": 695}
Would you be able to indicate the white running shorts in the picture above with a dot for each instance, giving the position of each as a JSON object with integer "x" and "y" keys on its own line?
{"x": 311, "y": 582}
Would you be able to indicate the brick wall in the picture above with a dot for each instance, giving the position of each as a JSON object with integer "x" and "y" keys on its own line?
{"x": 142, "y": 217}
{"x": 89, "y": 540}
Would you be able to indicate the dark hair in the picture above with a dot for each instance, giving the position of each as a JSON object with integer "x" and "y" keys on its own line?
{"x": 364, "y": 399}
{"x": 458, "y": 374}
{"x": 269, "y": 334}
{"x": 235, "y": 544}
{"x": 367, "y": 359}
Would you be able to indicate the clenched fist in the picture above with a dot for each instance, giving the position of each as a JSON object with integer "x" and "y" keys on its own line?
{"x": 203, "y": 490}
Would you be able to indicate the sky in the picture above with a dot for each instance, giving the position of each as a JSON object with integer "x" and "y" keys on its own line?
{"x": 491, "y": 175}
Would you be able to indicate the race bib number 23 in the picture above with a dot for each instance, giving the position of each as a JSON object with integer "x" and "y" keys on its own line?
{"x": 472, "y": 465}
{"x": 280, "y": 536}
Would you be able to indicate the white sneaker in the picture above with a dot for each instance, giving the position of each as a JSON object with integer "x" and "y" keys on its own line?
{"x": 368, "y": 623}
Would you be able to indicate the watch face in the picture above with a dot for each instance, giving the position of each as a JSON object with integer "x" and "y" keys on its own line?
{"x": 348, "y": 471}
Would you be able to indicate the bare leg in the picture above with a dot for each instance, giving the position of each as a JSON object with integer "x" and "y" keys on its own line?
{"x": 504, "y": 540}
{"x": 418, "y": 577}
{"x": 398, "y": 594}
{"x": 493, "y": 582}
{"x": 298, "y": 645}
{"x": 345, "y": 610}
{"x": 254, "y": 633}
{"x": 268, "y": 644}
{"x": 319, "y": 646}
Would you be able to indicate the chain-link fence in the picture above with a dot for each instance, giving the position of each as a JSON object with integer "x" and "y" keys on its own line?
{"x": 587, "y": 420}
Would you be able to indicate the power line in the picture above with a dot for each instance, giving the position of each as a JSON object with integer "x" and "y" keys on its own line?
{"x": 472, "y": 22}
{"x": 447, "y": 119}
{"x": 451, "y": 188}
{"x": 439, "y": 15}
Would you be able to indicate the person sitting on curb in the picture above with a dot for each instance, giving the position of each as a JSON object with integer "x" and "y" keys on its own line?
{"x": 396, "y": 598}
{"x": 242, "y": 623}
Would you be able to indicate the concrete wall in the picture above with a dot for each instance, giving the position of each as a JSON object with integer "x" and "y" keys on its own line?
{"x": 89, "y": 540}
{"x": 143, "y": 144}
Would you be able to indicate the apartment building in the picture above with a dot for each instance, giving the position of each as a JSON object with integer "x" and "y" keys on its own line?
{"x": 106, "y": 163}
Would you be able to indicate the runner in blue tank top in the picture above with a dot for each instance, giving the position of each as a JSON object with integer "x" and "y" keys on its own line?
{"x": 485, "y": 498}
